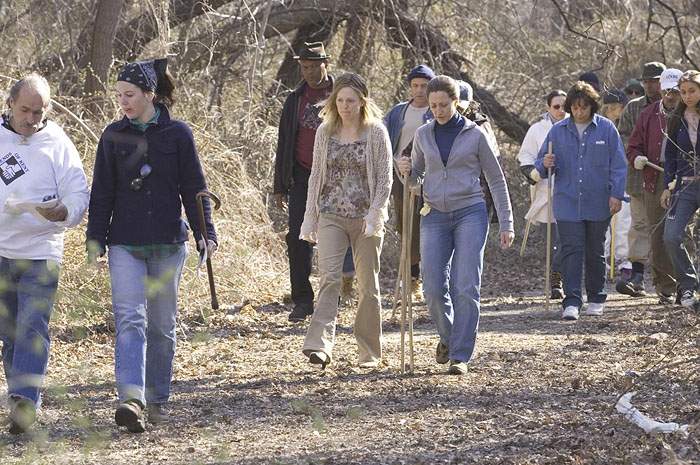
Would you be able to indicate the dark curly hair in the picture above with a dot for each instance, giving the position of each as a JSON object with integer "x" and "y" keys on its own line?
{"x": 585, "y": 92}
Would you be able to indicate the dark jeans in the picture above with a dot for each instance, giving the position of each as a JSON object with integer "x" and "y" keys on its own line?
{"x": 686, "y": 203}
{"x": 583, "y": 241}
{"x": 300, "y": 252}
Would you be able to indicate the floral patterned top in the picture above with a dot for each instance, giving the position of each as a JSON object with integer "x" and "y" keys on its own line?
{"x": 346, "y": 190}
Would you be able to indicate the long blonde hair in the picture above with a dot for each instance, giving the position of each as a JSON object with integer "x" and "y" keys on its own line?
{"x": 369, "y": 111}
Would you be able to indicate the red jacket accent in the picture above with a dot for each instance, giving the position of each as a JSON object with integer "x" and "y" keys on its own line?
{"x": 647, "y": 140}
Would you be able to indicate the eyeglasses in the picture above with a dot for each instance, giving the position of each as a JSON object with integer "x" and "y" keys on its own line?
{"x": 144, "y": 172}
{"x": 670, "y": 92}
{"x": 556, "y": 107}
{"x": 636, "y": 93}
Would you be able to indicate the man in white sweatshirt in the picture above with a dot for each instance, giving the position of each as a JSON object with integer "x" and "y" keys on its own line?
{"x": 43, "y": 191}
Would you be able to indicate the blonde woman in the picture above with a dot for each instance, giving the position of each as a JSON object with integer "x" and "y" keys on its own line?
{"x": 347, "y": 203}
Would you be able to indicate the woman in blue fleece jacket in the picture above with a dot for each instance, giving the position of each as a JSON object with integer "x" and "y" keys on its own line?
{"x": 449, "y": 154}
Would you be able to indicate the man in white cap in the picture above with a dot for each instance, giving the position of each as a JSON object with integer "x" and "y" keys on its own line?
{"x": 647, "y": 145}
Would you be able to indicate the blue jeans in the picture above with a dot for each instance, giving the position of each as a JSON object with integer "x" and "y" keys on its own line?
{"x": 452, "y": 251}
{"x": 685, "y": 205}
{"x": 144, "y": 298}
{"x": 583, "y": 241}
{"x": 27, "y": 292}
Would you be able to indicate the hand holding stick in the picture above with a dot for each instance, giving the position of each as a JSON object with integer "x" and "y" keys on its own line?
{"x": 203, "y": 228}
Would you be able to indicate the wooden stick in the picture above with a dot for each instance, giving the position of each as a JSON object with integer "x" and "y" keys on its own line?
{"x": 654, "y": 167}
{"x": 409, "y": 280}
{"x": 525, "y": 235}
{"x": 548, "y": 259}
{"x": 402, "y": 268}
{"x": 612, "y": 247}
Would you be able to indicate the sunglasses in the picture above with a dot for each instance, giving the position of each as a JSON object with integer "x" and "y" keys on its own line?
{"x": 144, "y": 172}
{"x": 634, "y": 92}
{"x": 556, "y": 107}
{"x": 670, "y": 91}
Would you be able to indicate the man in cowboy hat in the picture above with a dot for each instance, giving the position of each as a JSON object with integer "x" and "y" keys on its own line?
{"x": 295, "y": 145}
{"x": 639, "y": 233}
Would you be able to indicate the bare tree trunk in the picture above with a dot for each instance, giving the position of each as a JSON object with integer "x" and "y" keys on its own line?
{"x": 353, "y": 56}
{"x": 101, "y": 51}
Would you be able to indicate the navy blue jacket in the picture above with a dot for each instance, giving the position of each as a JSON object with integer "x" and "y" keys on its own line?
{"x": 679, "y": 150}
{"x": 151, "y": 215}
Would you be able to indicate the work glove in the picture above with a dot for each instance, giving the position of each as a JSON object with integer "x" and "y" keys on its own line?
{"x": 640, "y": 162}
{"x": 211, "y": 246}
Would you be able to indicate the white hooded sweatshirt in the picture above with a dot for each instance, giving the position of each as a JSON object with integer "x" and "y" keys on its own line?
{"x": 39, "y": 169}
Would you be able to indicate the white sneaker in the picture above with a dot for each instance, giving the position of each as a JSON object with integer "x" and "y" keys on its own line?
{"x": 594, "y": 309}
{"x": 688, "y": 299}
{"x": 570, "y": 313}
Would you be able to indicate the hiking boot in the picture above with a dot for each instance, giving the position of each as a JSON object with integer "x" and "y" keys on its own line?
{"x": 157, "y": 413}
{"x": 637, "y": 283}
{"x": 457, "y": 368}
{"x": 442, "y": 353}
{"x": 300, "y": 312}
{"x": 22, "y": 415}
{"x": 623, "y": 285}
{"x": 688, "y": 299}
{"x": 130, "y": 414}
{"x": 594, "y": 309}
{"x": 557, "y": 288}
{"x": 570, "y": 313}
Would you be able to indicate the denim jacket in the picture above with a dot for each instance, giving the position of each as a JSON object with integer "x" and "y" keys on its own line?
{"x": 394, "y": 123}
{"x": 588, "y": 171}
{"x": 152, "y": 214}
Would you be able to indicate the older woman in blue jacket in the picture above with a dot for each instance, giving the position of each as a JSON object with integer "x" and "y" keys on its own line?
{"x": 449, "y": 155}
{"x": 588, "y": 160}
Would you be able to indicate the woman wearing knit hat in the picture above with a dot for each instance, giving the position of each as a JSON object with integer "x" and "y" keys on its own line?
{"x": 146, "y": 169}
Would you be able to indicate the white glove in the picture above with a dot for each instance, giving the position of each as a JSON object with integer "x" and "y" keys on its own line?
{"x": 311, "y": 237}
{"x": 211, "y": 246}
{"x": 535, "y": 175}
{"x": 640, "y": 162}
{"x": 672, "y": 185}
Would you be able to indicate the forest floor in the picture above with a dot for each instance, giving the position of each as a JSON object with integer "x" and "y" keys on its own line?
{"x": 539, "y": 390}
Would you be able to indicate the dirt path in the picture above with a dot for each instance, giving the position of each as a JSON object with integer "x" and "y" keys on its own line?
{"x": 539, "y": 391}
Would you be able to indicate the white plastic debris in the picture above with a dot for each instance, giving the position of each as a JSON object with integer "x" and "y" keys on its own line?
{"x": 624, "y": 406}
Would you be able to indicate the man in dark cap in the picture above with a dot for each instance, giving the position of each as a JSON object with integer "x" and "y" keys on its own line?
{"x": 295, "y": 145}
{"x": 401, "y": 122}
{"x": 639, "y": 244}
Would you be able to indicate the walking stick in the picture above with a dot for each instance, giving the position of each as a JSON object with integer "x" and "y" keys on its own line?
{"x": 203, "y": 228}
{"x": 525, "y": 234}
{"x": 548, "y": 255}
{"x": 612, "y": 247}
{"x": 405, "y": 274}
{"x": 408, "y": 280}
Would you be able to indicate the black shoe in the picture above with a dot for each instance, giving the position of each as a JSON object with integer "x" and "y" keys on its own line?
{"x": 22, "y": 415}
{"x": 442, "y": 353}
{"x": 625, "y": 286}
{"x": 157, "y": 413}
{"x": 319, "y": 358}
{"x": 666, "y": 299}
{"x": 130, "y": 414}
{"x": 300, "y": 312}
{"x": 637, "y": 283}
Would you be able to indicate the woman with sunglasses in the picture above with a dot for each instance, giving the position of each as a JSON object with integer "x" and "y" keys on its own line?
{"x": 146, "y": 169}
{"x": 538, "y": 212}
{"x": 681, "y": 176}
